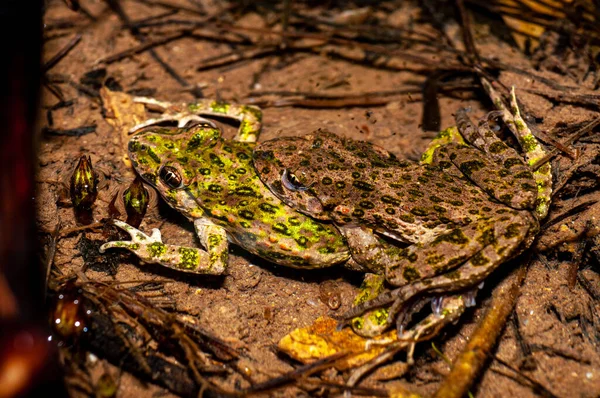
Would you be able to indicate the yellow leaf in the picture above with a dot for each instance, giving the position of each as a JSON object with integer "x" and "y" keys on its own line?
{"x": 322, "y": 339}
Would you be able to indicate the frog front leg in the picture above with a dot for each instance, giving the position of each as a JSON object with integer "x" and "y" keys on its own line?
{"x": 250, "y": 117}
{"x": 151, "y": 249}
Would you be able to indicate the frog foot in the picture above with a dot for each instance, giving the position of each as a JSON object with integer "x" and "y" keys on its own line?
{"x": 171, "y": 113}
{"x": 151, "y": 249}
{"x": 249, "y": 117}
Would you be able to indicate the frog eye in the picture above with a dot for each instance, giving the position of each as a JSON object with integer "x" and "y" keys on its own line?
{"x": 171, "y": 176}
{"x": 290, "y": 181}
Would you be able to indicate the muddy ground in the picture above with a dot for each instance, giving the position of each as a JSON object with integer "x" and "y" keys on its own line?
{"x": 257, "y": 303}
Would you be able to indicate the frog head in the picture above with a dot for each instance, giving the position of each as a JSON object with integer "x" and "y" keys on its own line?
{"x": 162, "y": 156}
{"x": 289, "y": 169}
{"x": 317, "y": 172}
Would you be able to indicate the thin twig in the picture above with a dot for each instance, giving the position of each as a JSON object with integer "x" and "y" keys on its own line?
{"x": 62, "y": 53}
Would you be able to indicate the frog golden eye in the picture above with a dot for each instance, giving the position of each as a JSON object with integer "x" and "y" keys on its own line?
{"x": 171, "y": 176}
{"x": 290, "y": 181}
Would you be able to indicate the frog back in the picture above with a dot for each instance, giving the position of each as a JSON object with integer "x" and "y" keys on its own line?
{"x": 358, "y": 183}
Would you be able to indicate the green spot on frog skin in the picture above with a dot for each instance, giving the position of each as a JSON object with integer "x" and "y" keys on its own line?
{"x": 133, "y": 146}
{"x": 215, "y": 188}
{"x": 390, "y": 200}
{"x": 245, "y": 191}
{"x": 456, "y": 237}
{"x": 407, "y": 218}
{"x": 246, "y": 127}
{"x": 157, "y": 249}
{"x": 498, "y": 147}
{"x": 358, "y": 323}
{"x": 188, "y": 258}
{"x": 512, "y": 231}
{"x": 153, "y": 155}
{"x": 281, "y": 228}
{"x": 379, "y": 316}
{"x": 528, "y": 187}
{"x": 326, "y": 250}
{"x": 419, "y": 211}
{"x": 216, "y": 160}
{"x": 434, "y": 259}
{"x": 302, "y": 241}
{"x": 247, "y": 214}
{"x": 510, "y": 162}
{"x": 219, "y": 107}
{"x": 294, "y": 221}
{"x": 410, "y": 274}
{"x": 468, "y": 168}
{"x": 326, "y": 181}
{"x": 479, "y": 260}
{"x": 242, "y": 156}
{"x": 453, "y": 275}
{"x": 358, "y": 213}
{"x": 254, "y": 111}
{"x": 363, "y": 186}
{"x": 524, "y": 174}
{"x": 506, "y": 198}
{"x": 268, "y": 208}
{"x": 151, "y": 178}
{"x": 366, "y": 204}
{"x": 487, "y": 237}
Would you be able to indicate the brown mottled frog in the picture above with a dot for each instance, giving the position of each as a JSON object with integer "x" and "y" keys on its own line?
{"x": 467, "y": 208}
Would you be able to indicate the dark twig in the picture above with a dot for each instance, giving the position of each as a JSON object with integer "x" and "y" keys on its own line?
{"x": 468, "y": 33}
{"x": 62, "y": 53}
{"x": 117, "y": 9}
{"x": 574, "y": 137}
{"x": 534, "y": 384}
{"x": 75, "y": 132}
{"x": 335, "y": 102}
{"x": 146, "y": 45}
{"x": 294, "y": 375}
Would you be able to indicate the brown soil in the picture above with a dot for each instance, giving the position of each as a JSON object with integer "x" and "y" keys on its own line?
{"x": 258, "y": 303}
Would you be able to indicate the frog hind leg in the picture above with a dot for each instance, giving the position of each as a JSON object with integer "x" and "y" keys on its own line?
{"x": 402, "y": 266}
{"x": 532, "y": 149}
{"x": 448, "y": 251}
{"x": 511, "y": 235}
{"x": 150, "y": 249}
{"x": 250, "y": 117}
{"x": 515, "y": 189}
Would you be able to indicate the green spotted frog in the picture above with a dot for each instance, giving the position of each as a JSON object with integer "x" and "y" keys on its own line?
{"x": 211, "y": 180}
{"x": 465, "y": 209}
